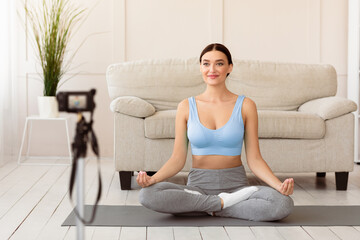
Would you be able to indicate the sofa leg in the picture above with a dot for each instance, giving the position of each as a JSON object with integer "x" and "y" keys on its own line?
{"x": 341, "y": 179}
{"x": 150, "y": 173}
{"x": 321, "y": 174}
{"x": 125, "y": 179}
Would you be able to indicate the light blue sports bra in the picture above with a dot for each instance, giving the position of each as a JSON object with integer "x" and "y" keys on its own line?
{"x": 226, "y": 140}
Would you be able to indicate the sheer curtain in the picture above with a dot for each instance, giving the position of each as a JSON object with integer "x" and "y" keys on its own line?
{"x": 8, "y": 111}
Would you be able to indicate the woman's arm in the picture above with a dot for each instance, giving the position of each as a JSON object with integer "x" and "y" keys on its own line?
{"x": 178, "y": 158}
{"x": 254, "y": 159}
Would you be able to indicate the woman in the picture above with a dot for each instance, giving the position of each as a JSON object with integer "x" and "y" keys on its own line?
{"x": 216, "y": 123}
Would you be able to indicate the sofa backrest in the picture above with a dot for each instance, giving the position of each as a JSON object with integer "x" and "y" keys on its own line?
{"x": 272, "y": 85}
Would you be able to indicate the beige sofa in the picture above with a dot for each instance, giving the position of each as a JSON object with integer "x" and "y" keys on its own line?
{"x": 303, "y": 127}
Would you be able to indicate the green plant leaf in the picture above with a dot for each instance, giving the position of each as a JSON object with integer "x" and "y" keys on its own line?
{"x": 52, "y": 25}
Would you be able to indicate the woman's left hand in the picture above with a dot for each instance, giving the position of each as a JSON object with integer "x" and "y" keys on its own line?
{"x": 287, "y": 187}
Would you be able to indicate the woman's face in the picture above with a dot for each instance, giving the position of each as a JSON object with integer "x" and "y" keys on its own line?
{"x": 214, "y": 67}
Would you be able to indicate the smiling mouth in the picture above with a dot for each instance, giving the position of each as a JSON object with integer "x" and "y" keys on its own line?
{"x": 212, "y": 76}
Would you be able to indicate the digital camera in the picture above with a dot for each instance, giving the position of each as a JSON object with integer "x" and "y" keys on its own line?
{"x": 76, "y": 101}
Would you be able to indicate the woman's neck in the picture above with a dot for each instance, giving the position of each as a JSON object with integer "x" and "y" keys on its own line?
{"x": 216, "y": 94}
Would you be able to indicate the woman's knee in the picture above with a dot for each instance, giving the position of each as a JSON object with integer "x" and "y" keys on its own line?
{"x": 147, "y": 195}
{"x": 284, "y": 205}
{"x": 150, "y": 196}
{"x": 281, "y": 205}
{"x": 143, "y": 196}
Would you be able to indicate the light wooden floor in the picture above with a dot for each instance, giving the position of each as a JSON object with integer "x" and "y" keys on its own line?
{"x": 34, "y": 202}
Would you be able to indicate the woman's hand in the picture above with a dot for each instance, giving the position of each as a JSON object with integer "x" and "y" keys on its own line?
{"x": 287, "y": 187}
{"x": 144, "y": 180}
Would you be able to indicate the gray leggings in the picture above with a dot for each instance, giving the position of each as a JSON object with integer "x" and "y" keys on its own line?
{"x": 267, "y": 204}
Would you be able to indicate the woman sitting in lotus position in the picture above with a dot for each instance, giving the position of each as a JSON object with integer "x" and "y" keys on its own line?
{"x": 216, "y": 122}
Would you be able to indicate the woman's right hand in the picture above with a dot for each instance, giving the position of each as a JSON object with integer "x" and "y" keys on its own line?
{"x": 144, "y": 180}
{"x": 287, "y": 187}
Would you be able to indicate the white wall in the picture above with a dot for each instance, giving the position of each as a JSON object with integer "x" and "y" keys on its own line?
{"x": 306, "y": 31}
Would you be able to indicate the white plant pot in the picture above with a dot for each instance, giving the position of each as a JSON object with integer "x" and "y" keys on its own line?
{"x": 48, "y": 107}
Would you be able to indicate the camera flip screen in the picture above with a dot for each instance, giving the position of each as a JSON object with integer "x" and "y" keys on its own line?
{"x": 77, "y": 102}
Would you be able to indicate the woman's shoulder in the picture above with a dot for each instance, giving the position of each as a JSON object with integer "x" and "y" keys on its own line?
{"x": 184, "y": 103}
{"x": 248, "y": 105}
{"x": 183, "y": 106}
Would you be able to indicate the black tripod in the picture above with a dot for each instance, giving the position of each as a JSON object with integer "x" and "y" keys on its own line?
{"x": 84, "y": 134}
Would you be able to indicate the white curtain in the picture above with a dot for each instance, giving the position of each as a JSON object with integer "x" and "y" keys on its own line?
{"x": 8, "y": 110}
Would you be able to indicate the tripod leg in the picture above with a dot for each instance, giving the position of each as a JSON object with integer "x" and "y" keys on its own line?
{"x": 80, "y": 227}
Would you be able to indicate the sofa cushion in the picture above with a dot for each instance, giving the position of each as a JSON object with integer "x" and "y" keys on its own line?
{"x": 272, "y": 124}
{"x": 271, "y": 85}
{"x": 290, "y": 124}
{"x": 132, "y": 106}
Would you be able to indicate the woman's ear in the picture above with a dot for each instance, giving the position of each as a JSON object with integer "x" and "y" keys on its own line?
{"x": 230, "y": 68}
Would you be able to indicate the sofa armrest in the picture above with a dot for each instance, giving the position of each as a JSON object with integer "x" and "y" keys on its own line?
{"x": 329, "y": 107}
{"x": 132, "y": 106}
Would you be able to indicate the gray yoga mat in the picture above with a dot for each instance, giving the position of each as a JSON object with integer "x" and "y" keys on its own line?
{"x": 139, "y": 216}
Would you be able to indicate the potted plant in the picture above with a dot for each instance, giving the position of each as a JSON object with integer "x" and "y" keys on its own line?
{"x": 52, "y": 25}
